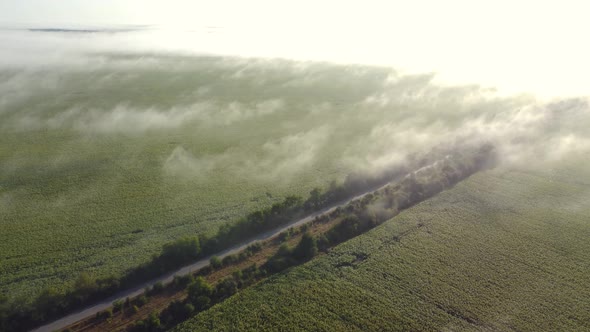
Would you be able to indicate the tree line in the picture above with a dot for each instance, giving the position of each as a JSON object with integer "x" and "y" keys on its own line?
{"x": 53, "y": 303}
{"x": 355, "y": 218}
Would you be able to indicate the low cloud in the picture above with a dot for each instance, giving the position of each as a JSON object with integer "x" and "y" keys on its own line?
{"x": 125, "y": 119}
{"x": 182, "y": 163}
{"x": 276, "y": 160}
{"x": 288, "y": 156}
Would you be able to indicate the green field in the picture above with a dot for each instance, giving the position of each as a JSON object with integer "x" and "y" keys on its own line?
{"x": 506, "y": 249}
{"x": 101, "y": 163}
{"x": 99, "y": 169}
{"x": 105, "y": 159}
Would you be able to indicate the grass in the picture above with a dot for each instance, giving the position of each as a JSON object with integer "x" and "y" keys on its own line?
{"x": 503, "y": 250}
{"x": 102, "y": 165}
{"x": 76, "y": 198}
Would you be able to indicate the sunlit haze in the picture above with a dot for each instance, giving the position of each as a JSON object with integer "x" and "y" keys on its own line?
{"x": 516, "y": 47}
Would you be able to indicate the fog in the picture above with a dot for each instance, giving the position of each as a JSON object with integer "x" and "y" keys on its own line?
{"x": 525, "y": 46}
{"x": 100, "y": 83}
{"x": 110, "y": 129}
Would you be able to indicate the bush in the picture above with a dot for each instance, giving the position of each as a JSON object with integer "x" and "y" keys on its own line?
{"x": 103, "y": 315}
{"x": 141, "y": 300}
{"x": 284, "y": 236}
{"x": 306, "y": 249}
{"x": 215, "y": 262}
{"x": 202, "y": 303}
{"x": 229, "y": 259}
{"x": 118, "y": 305}
{"x": 181, "y": 282}
{"x": 200, "y": 287}
{"x": 254, "y": 247}
{"x": 225, "y": 289}
{"x": 180, "y": 252}
{"x": 157, "y": 288}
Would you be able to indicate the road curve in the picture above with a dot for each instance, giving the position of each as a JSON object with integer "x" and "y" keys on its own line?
{"x": 167, "y": 278}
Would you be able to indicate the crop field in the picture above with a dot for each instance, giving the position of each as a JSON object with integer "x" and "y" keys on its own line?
{"x": 105, "y": 159}
{"x": 108, "y": 156}
{"x": 98, "y": 170}
{"x": 504, "y": 250}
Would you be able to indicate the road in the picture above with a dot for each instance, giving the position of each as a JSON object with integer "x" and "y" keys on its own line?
{"x": 167, "y": 278}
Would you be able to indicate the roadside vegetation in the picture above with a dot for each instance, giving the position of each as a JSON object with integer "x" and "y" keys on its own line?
{"x": 101, "y": 167}
{"x": 505, "y": 250}
{"x": 53, "y": 302}
{"x": 340, "y": 225}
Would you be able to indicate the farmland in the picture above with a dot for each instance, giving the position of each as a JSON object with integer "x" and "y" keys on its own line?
{"x": 80, "y": 196}
{"x": 101, "y": 163}
{"x": 107, "y": 159}
{"x": 504, "y": 250}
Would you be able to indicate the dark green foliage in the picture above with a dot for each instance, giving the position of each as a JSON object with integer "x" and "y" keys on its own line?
{"x": 306, "y": 249}
{"x": 150, "y": 324}
{"x": 202, "y": 303}
{"x": 215, "y": 262}
{"x": 284, "y": 236}
{"x": 157, "y": 288}
{"x": 105, "y": 314}
{"x": 226, "y": 288}
{"x": 287, "y": 257}
{"x": 229, "y": 260}
{"x": 257, "y": 222}
{"x": 175, "y": 312}
{"x": 179, "y": 252}
{"x": 153, "y": 321}
{"x": 349, "y": 227}
{"x": 254, "y": 247}
{"x": 118, "y": 305}
{"x": 199, "y": 288}
{"x": 141, "y": 300}
{"x": 181, "y": 282}
{"x": 315, "y": 200}
{"x": 281, "y": 260}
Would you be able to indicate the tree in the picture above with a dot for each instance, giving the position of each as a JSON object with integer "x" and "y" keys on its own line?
{"x": 188, "y": 309}
{"x": 141, "y": 300}
{"x": 229, "y": 259}
{"x": 314, "y": 201}
{"x": 153, "y": 322}
{"x": 200, "y": 287}
{"x": 215, "y": 262}
{"x": 181, "y": 282}
{"x": 157, "y": 288}
{"x": 50, "y": 301}
{"x": 85, "y": 285}
{"x": 306, "y": 249}
{"x": 180, "y": 251}
{"x": 118, "y": 305}
{"x": 226, "y": 288}
{"x": 202, "y": 303}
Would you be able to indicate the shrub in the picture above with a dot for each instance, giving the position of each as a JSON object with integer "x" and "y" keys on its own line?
{"x": 141, "y": 300}
{"x": 215, "y": 262}
{"x": 157, "y": 288}
{"x": 118, "y": 305}
{"x": 180, "y": 282}
{"x": 229, "y": 259}
{"x": 306, "y": 249}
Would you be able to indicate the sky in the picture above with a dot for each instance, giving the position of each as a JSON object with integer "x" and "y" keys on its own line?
{"x": 537, "y": 47}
